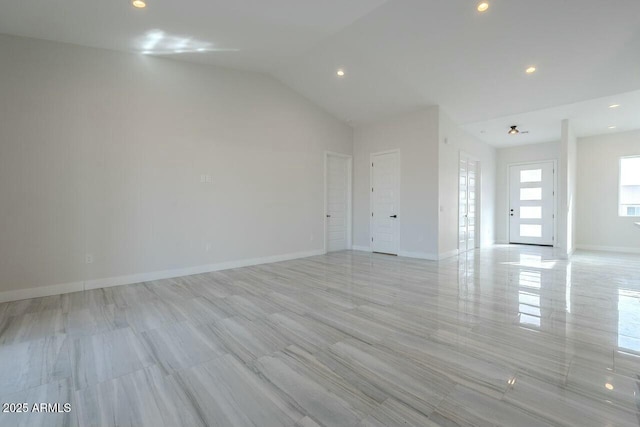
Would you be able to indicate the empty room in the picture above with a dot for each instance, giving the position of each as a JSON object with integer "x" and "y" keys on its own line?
{"x": 320, "y": 213}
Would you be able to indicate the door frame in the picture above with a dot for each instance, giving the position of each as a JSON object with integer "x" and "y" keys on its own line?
{"x": 555, "y": 196}
{"x": 477, "y": 236}
{"x": 349, "y": 158}
{"x": 371, "y": 156}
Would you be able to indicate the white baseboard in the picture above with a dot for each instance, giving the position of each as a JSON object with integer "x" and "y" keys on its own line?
{"x": 42, "y": 291}
{"x": 65, "y": 288}
{"x": 448, "y": 254}
{"x": 418, "y": 255}
{"x": 623, "y": 249}
{"x": 361, "y": 248}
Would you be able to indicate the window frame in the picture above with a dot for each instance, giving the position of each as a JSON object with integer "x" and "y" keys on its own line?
{"x": 635, "y": 156}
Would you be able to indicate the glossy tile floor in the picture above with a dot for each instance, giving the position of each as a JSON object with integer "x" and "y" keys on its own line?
{"x": 507, "y": 336}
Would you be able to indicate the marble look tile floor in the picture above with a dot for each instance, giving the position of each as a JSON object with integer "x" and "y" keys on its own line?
{"x": 510, "y": 336}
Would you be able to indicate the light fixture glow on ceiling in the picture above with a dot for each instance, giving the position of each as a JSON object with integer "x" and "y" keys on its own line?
{"x": 140, "y": 4}
{"x": 340, "y": 73}
{"x": 158, "y": 42}
{"x": 614, "y": 105}
{"x": 514, "y": 130}
{"x": 530, "y": 70}
{"x": 483, "y": 6}
{"x": 609, "y": 386}
{"x": 612, "y": 127}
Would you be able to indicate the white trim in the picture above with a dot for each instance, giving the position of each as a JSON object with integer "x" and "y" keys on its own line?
{"x": 361, "y": 248}
{"x": 66, "y": 288}
{"x": 428, "y": 256}
{"x": 349, "y": 197}
{"x": 42, "y": 291}
{"x": 418, "y": 255}
{"x": 449, "y": 254}
{"x": 399, "y": 206}
{"x": 622, "y": 249}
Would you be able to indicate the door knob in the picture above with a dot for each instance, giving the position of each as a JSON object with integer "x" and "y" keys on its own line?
{"x": 393, "y": 216}
{"x": 328, "y": 216}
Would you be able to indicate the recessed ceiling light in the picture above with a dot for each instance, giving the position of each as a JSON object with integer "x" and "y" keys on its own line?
{"x": 614, "y": 105}
{"x": 609, "y": 386}
{"x": 530, "y": 70}
{"x": 612, "y": 127}
{"x": 483, "y": 6}
{"x": 340, "y": 73}
{"x": 140, "y": 4}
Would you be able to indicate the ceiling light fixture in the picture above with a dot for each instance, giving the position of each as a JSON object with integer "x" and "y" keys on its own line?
{"x": 514, "y": 130}
{"x": 530, "y": 70}
{"x": 139, "y": 4}
{"x": 483, "y": 6}
{"x": 614, "y": 105}
{"x": 612, "y": 127}
{"x": 609, "y": 386}
{"x": 340, "y": 73}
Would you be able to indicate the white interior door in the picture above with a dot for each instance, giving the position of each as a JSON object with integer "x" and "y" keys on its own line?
{"x": 467, "y": 204}
{"x": 532, "y": 203}
{"x": 385, "y": 202}
{"x": 337, "y": 205}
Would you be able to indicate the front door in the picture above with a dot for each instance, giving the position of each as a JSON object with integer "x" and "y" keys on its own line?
{"x": 532, "y": 204}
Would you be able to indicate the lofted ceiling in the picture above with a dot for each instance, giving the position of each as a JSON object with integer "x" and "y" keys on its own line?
{"x": 398, "y": 55}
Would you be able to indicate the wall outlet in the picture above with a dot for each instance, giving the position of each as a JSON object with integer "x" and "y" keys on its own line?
{"x": 88, "y": 259}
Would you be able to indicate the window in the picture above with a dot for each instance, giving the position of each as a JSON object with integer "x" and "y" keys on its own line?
{"x": 532, "y": 175}
{"x": 629, "y": 199}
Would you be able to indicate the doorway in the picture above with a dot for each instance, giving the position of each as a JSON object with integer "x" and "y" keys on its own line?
{"x": 385, "y": 202}
{"x": 532, "y": 203}
{"x": 337, "y": 202}
{"x": 468, "y": 203}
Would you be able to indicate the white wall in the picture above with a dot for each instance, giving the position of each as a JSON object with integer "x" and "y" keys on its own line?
{"x": 102, "y": 153}
{"x": 428, "y": 181}
{"x": 505, "y": 157}
{"x": 459, "y": 141}
{"x": 598, "y": 224}
{"x": 416, "y": 136}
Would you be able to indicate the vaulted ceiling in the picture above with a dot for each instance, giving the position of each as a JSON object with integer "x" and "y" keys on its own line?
{"x": 398, "y": 55}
